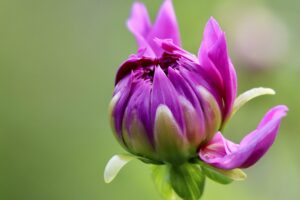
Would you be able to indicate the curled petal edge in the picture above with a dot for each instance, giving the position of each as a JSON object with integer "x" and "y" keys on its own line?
{"x": 224, "y": 154}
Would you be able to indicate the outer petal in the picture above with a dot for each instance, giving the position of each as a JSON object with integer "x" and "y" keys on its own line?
{"x": 219, "y": 56}
{"x": 170, "y": 145}
{"x": 211, "y": 34}
{"x": 184, "y": 89}
{"x": 164, "y": 93}
{"x": 165, "y": 27}
{"x": 140, "y": 25}
{"x": 212, "y": 112}
{"x": 192, "y": 111}
{"x": 214, "y": 56}
{"x": 139, "y": 106}
{"x": 137, "y": 130}
{"x": 224, "y": 154}
{"x": 122, "y": 89}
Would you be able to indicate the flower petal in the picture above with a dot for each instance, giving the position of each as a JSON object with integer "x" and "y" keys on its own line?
{"x": 140, "y": 25}
{"x": 211, "y": 34}
{"x": 194, "y": 125}
{"x": 170, "y": 144}
{"x": 212, "y": 112}
{"x": 137, "y": 130}
{"x": 164, "y": 93}
{"x": 118, "y": 105}
{"x": 139, "y": 22}
{"x": 165, "y": 27}
{"x": 224, "y": 154}
{"x": 184, "y": 89}
{"x": 242, "y": 99}
{"x": 219, "y": 56}
{"x": 114, "y": 165}
{"x": 214, "y": 57}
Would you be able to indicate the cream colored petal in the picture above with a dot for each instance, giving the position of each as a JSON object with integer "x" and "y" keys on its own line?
{"x": 243, "y": 98}
{"x": 114, "y": 165}
{"x": 170, "y": 144}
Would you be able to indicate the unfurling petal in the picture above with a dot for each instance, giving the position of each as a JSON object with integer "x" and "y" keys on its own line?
{"x": 139, "y": 22}
{"x": 224, "y": 154}
{"x": 165, "y": 27}
{"x": 140, "y": 25}
{"x": 213, "y": 55}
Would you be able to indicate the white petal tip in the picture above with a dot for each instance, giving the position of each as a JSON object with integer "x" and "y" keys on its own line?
{"x": 163, "y": 109}
{"x": 114, "y": 165}
{"x": 263, "y": 90}
{"x": 249, "y": 95}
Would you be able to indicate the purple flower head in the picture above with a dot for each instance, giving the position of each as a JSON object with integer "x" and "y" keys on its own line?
{"x": 168, "y": 105}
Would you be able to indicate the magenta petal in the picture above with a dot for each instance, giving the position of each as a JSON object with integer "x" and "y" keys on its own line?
{"x": 184, "y": 89}
{"x": 123, "y": 87}
{"x": 140, "y": 25}
{"x": 212, "y": 32}
{"x": 165, "y": 27}
{"x": 224, "y": 154}
{"x": 139, "y": 106}
{"x": 219, "y": 56}
{"x": 139, "y": 22}
{"x": 164, "y": 93}
{"x": 213, "y": 56}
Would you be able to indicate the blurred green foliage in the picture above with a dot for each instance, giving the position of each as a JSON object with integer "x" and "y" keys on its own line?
{"x": 57, "y": 64}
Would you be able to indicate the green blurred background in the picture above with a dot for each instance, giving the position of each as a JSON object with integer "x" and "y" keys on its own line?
{"x": 57, "y": 64}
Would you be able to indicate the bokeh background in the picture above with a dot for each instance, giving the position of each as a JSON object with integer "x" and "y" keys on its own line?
{"x": 57, "y": 64}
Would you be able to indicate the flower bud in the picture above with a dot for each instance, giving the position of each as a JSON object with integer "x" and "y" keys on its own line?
{"x": 168, "y": 104}
{"x": 169, "y": 107}
{"x": 164, "y": 108}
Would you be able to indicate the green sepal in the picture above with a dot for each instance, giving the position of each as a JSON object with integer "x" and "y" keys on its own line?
{"x": 149, "y": 161}
{"x": 215, "y": 175}
{"x": 114, "y": 165}
{"x": 187, "y": 180}
{"x": 161, "y": 178}
{"x": 223, "y": 176}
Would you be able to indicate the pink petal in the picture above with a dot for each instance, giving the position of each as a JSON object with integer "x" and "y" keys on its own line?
{"x": 140, "y": 25}
{"x": 165, "y": 27}
{"x": 224, "y": 154}
{"x": 214, "y": 57}
{"x": 164, "y": 93}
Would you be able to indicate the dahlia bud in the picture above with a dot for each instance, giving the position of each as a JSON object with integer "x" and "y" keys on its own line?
{"x": 163, "y": 108}
{"x": 169, "y": 106}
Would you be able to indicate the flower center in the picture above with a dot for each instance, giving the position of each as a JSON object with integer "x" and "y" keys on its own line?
{"x": 145, "y": 67}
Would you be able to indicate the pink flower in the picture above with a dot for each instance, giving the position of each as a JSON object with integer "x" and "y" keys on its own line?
{"x": 169, "y": 105}
{"x": 169, "y": 108}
